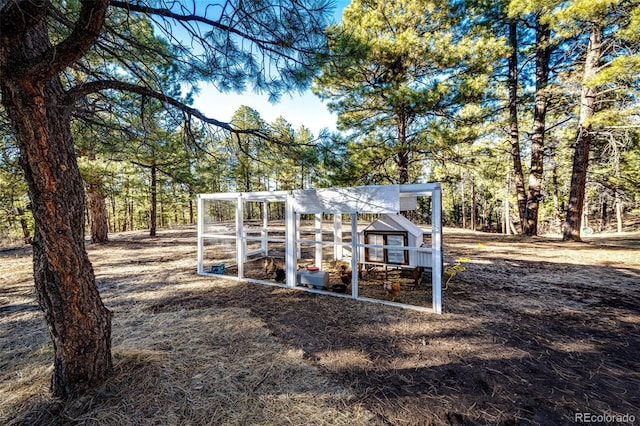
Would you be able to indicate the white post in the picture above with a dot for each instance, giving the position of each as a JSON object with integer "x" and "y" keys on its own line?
{"x": 318, "y": 232}
{"x": 436, "y": 246}
{"x": 265, "y": 223}
{"x": 200, "y": 203}
{"x": 354, "y": 255}
{"x": 297, "y": 234}
{"x": 507, "y": 214}
{"x": 240, "y": 244}
{"x": 290, "y": 242}
{"x": 338, "y": 253}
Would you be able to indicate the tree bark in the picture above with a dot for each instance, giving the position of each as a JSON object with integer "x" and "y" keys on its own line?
{"x": 130, "y": 216}
{"x": 543, "y": 55}
{"x": 33, "y": 96}
{"x": 513, "y": 121}
{"x": 191, "y": 213}
{"x": 556, "y": 199}
{"x": 474, "y": 207}
{"x": 79, "y": 324}
{"x": 619, "y": 212}
{"x": 25, "y": 227}
{"x": 575, "y": 206}
{"x": 464, "y": 207}
{"x": 153, "y": 215}
{"x": 99, "y": 223}
{"x": 603, "y": 213}
{"x": 114, "y": 217}
{"x": 125, "y": 213}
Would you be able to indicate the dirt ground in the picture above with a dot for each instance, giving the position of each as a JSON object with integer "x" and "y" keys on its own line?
{"x": 534, "y": 331}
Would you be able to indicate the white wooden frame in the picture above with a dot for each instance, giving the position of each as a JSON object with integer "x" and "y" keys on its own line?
{"x": 292, "y": 239}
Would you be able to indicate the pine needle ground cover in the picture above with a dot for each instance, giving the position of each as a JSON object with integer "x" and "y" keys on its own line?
{"x": 534, "y": 332}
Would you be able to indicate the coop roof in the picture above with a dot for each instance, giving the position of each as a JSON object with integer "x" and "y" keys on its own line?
{"x": 394, "y": 222}
{"x": 360, "y": 199}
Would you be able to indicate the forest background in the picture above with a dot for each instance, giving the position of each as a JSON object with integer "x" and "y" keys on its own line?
{"x": 485, "y": 98}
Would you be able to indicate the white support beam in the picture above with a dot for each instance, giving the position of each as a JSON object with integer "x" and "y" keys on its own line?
{"x": 354, "y": 255}
{"x": 436, "y": 247}
{"x": 265, "y": 223}
{"x": 318, "y": 233}
{"x": 240, "y": 242}
{"x": 291, "y": 233}
{"x": 200, "y": 226}
{"x": 297, "y": 234}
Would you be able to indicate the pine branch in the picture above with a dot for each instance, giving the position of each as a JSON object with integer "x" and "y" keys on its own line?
{"x": 81, "y": 91}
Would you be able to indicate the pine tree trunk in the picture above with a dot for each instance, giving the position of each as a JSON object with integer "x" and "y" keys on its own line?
{"x": 575, "y": 207}
{"x": 125, "y": 218}
{"x": 556, "y": 199}
{"x": 617, "y": 201}
{"x": 130, "y": 216}
{"x": 513, "y": 121}
{"x": 154, "y": 202}
{"x": 114, "y": 217}
{"x": 603, "y": 214}
{"x": 583, "y": 141}
{"x": 543, "y": 53}
{"x": 34, "y": 99}
{"x": 464, "y": 207}
{"x": 474, "y": 207}
{"x": 619, "y": 213}
{"x": 79, "y": 324}
{"x": 25, "y": 227}
{"x": 99, "y": 223}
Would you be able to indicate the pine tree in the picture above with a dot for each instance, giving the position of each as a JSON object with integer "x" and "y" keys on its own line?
{"x": 40, "y": 41}
{"x": 401, "y": 70}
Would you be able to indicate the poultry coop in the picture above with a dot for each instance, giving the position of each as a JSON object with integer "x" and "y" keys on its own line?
{"x": 387, "y": 238}
{"x": 320, "y": 238}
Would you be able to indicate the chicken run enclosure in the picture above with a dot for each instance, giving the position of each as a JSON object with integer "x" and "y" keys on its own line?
{"x": 379, "y": 244}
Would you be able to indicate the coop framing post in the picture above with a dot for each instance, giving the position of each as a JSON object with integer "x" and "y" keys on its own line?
{"x": 436, "y": 254}
{"x": 297, "y": 234}
{"x": 264, "y": 246}
{"x": 199, "y": 203}
{"x": 291, "y": 232}
{"x": 318, "y": 233}
{"x": 240, "y": 242}
{"x": 354, "y": 255}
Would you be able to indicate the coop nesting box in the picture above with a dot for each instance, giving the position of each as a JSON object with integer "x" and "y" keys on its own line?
{"x": 394, "y": 230}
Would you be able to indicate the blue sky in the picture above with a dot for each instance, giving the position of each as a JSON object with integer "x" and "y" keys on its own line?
{"x": 298, "y": 109}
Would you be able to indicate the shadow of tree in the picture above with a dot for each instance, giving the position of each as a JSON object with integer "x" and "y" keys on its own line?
{"x": 503, "y": 367}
